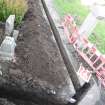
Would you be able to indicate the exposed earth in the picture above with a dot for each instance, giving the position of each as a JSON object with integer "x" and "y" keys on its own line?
{"x": 38, "y": 67}
{"x": 38, "y": 70}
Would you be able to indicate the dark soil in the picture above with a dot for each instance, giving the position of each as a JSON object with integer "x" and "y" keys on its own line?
{"x": 38, "y": 67}
{"x": 2, "y": 27}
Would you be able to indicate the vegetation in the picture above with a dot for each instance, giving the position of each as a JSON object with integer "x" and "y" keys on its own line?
{"x": 79, "y": 11}
{"x": 73, "y": 7}
{"x": 17, "y": 7}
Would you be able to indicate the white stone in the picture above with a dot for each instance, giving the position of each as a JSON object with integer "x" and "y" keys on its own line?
{"x": 72, "y": 100}
{"x": 15, "y": 34}
{"x": 9, "y": 26}
{"x": 7, "y": 48}
{"x": 99, "y": 11}
{"x": 53, "y": 91}
{"x": 1, "y": 73}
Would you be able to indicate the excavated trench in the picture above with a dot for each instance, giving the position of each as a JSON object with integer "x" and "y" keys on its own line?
{"x": 39, "y": 75}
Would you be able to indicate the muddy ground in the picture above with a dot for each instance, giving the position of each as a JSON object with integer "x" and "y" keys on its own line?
{"x": 39, "y": 67}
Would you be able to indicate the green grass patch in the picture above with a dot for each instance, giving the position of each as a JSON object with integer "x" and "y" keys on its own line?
{"x": 16, "y": 7}
{"x": 98, "y": 37}
{"x": 74, "y": 7}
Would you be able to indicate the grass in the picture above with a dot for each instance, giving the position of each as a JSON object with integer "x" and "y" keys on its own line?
{"x": 74, "y": 7}
{"x": 99, "y": 37}
{"x": 17, "y": 7}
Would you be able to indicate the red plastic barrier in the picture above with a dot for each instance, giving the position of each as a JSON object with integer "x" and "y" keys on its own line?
{"x": 94, "y": 58}
{"x": 70, "y": 29}
{"x": 85, "y": 49}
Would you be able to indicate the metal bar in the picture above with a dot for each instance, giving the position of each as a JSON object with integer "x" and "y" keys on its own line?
{"x": 80, "y": 91}
{"x": 66, "y": 59}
